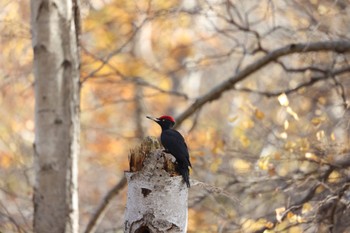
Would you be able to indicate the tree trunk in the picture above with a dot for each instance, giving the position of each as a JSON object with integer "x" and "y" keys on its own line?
{"x": 57, "y": 123}
{"x": 157, "y": 197}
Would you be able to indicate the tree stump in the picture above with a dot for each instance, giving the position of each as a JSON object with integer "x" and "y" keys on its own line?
{"x": 157, "y": 195}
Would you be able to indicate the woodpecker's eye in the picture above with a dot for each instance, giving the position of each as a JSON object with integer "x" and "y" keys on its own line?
{"x": 163, "y": 119}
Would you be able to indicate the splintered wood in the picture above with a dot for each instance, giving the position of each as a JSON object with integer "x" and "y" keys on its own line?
{"x": 138, "y": 155}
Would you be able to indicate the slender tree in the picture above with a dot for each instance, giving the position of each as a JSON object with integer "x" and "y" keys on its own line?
{"x": 56, "y": 69}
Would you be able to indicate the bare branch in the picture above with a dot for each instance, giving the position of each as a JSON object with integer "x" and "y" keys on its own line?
{"x": 214, "y": 190}
{"x": 327, "y": 75}
{"x": 101, "y": 210}
{"x": 10, "y": 218}
{"x": 216, "y": 92}
{"x": 341, "y": 91}
{"x": 144, "y": 83}
{"x": 301, "y": 69}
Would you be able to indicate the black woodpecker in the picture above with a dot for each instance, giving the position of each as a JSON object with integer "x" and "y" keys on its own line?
{"x": 175, "y": 144}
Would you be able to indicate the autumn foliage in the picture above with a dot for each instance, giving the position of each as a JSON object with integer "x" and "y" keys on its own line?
{"x": 277, "y": 140}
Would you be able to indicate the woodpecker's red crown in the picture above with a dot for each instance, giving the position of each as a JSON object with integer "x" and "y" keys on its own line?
{"x": 170, "y": 118}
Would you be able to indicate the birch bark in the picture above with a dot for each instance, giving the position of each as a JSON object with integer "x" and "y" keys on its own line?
{"x": 157, "y": 198}
{"x": 57, "y": 124}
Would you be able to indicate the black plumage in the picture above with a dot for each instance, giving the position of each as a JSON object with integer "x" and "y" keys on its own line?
{"x": 174, "y": 144}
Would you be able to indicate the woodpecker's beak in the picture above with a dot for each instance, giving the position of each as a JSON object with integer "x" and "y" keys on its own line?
{"x": 153, "y": 118}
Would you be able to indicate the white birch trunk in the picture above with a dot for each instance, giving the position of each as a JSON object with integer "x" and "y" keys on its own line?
{"x": 56, "y": 70}
{"x": 157, "y": 201}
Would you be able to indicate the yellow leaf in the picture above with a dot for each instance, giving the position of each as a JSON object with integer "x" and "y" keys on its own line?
{"x": 322, "y": 100}
{"x": 292, "y": 113}
{"x": 334, "y": 177}
{"x": 241, "y": 165}
{"x": 322, "y": 9}
{"x": 218, "y": 150}
{"x": 264, "y": 162}
{"x": 290, "y": 145}
{"x": 232, "y": 119}
{"x": 294, "y": 218}
{"x": 283, "y": 100}
{"x": 247, "y": 124}
{"x": 280, "y": 213}
{"x": 283, "y": 135}
{"x": 244, "y": 140}
{"x": 218, "y": 147}
{"x": 214, "y": 166}
{"x": 317, "y": 120}
{"x": 312, "y": 156}
{"x": 269, "y": 225}
{"x": 307, "y": 207}
{"x": 333, "y": 137}
{"x": 286, "y": 124}
{"x": 320, "y": 189}
{"x": 290, "y": 215}
{"x": 320, "y": 135}
{"x": 303, "y": 144}
{"x": 277, "y": 155}
{"x": 252, "y": 225}
{"x": 259, "y": 114}
{"x": 5, "y": 160}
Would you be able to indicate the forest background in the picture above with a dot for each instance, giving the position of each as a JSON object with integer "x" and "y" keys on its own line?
{"x": 260, "y": 90}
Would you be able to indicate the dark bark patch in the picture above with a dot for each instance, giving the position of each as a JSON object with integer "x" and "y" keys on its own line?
{"x": 58, "y": 121}
{"x": 66, "y": 64}
{"x": 145, "y": 192}
{"x": 47, "y": 167}
{"x": 143, "y": 229}
{"x": 39, "y": 48}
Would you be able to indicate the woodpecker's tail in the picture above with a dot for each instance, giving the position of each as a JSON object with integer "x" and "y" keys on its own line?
{"x": 185, "y": 173}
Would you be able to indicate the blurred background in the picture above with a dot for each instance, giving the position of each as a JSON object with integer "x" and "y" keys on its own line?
{"x": 278, "y": 140}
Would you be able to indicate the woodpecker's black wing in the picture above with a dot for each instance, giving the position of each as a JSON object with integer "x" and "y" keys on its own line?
{"x": 188, "y": 156}
{"x": 176, "y": 145}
